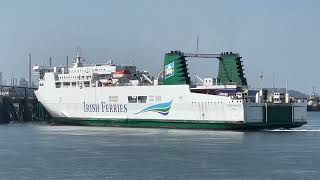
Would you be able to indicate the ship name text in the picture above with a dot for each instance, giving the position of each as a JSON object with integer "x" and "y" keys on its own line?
{"x": 104, "y": 107}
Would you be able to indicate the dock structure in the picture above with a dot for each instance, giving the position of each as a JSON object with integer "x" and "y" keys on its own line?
{"x": 19, "y": 104}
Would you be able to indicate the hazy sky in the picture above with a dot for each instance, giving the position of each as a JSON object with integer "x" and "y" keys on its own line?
{"x": 280, "y": 37}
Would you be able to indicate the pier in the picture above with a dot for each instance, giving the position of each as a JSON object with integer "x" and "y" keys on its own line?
{"x": 19, "y": 104}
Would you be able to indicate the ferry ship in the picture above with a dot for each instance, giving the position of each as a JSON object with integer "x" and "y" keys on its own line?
{"x": 122, "y": 95}
{"x": 313, "y": 103}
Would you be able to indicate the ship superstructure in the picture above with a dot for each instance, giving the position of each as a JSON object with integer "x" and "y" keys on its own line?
{"x": 313, "y": 103}
{"x": 121, "y": 95}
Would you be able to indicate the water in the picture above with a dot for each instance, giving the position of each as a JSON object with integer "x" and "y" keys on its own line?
{"x": 33, "y": 151}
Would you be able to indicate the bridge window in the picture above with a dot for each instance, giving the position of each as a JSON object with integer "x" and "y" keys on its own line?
{"x": 58, "y": 84}
{"x": 86, "y": 84}
{"x": 66, "y": 84}
{"x": 142, "y": 99}
{"x": 74, "y": 84}
{"x": 132, "y": 99}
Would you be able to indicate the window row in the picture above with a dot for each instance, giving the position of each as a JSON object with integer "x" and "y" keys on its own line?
{"x": 75, "y": 77}
{"x": 73, "y": 84}
{"x": 137, "y": 99}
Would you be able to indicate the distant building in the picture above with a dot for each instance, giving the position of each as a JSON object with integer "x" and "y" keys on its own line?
{"x": 14, "y": 81}
{"x": 23, "y": 82}
{"x": 33, "y": 84}
{"x": 1, "y": 82}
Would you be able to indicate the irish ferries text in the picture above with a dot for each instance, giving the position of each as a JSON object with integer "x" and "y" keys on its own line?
{"x": 104, "y": 107}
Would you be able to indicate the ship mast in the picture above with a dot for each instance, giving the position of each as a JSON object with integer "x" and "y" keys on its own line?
{"x": 77, "y": 62}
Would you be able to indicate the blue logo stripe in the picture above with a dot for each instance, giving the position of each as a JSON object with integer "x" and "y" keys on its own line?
{"x": 162, "y": 108}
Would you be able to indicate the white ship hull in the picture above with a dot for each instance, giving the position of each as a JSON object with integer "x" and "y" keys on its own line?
{"x": 166, "y": 106}
{"x": 121, "y": 95}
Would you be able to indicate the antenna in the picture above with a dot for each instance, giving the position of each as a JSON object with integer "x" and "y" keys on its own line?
{"x": 78, "y": 51}
{"x": 78, "y": 59}
{"x": 260, "y": 79}
{"x": 67, "y": 61}
{"x": 78, "y": 55}
{"x": 1, "y": 76}
{"x": 50, "y": 61}
{"x": 198, "y": 44}
{"x": 273, "y": 83}
{"x": 29, "y": 69}
{"x": 313, "y": 90}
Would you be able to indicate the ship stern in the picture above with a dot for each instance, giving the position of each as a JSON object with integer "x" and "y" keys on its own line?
{"x": 275, "y": 116}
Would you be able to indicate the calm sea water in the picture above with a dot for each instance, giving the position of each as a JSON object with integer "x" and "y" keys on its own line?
{"x": 33, "y": 151}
